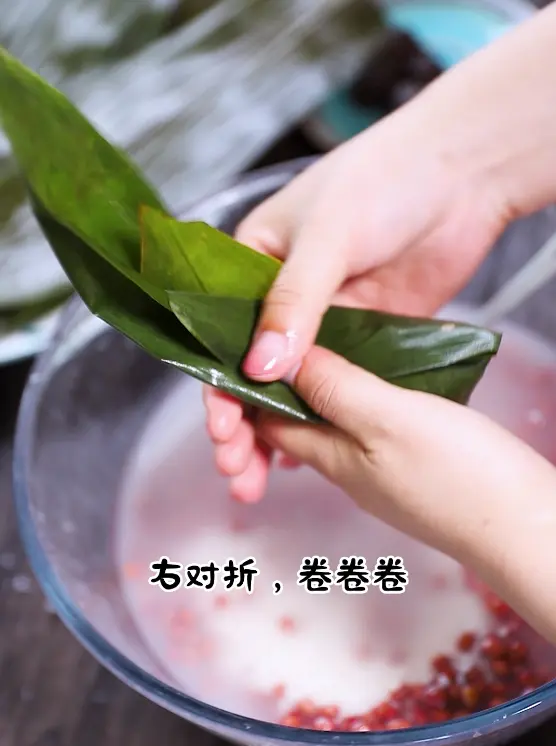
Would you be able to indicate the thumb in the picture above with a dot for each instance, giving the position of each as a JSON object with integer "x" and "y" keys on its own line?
{"x": 293, "y": 308}
{"x": 361, "y": 407}
{"x": 346, "y": 396}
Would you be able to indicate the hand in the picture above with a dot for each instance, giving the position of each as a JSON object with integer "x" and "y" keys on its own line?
{"x": 400, "y": 217}
{"x": 436, "y": 470}
{"x": 391, "y": 221}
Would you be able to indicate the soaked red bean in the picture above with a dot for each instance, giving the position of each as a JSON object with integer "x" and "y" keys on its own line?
{"x": 502, "y": 669}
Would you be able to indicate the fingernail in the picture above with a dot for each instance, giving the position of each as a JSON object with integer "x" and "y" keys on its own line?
{"x": 268, "y": 351}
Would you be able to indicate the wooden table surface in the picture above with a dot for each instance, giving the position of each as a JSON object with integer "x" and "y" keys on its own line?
{"x": 52, "y": 692}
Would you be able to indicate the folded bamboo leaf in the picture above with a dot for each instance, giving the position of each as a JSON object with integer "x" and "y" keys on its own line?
{"x": 458, "y": 386}
{"x": 83, "y": 182}
{"x": 164, "y": 258}
{"x": 433, "y": 356}
{"x": 125, "y": 307}
{"x": 395, "y": 348}
{"x": 92, "y": 205}
{"x": 176, "y": 256}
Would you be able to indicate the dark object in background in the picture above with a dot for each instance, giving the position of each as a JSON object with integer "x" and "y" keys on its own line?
{"x": 395, "y": 71}
{"x": 403, "y": 92}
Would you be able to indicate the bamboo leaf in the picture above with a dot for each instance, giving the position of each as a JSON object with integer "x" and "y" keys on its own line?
{"x": 185, "y": 292}
{"x": 164, "y": 257}
{"x": 175, "y": 253}
{"x": 442, "y": 358}
{"x": 125, "y": 307}
{"x": 83, "y": 182}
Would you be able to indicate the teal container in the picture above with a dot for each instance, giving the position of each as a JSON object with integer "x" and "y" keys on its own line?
{"x": 449, "y": 30}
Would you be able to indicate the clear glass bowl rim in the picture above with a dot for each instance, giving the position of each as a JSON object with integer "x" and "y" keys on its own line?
{"x": 501, "y": 717}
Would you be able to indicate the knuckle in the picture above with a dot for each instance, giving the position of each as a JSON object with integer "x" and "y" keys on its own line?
{"x": 246, "y": 226}
{"x": 283, "y": 295}
{"x": 323, "y": 398}
{"x": 251, "y": 231}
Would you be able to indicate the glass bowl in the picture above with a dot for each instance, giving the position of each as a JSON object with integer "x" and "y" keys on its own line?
{"x": 87, "y": 398}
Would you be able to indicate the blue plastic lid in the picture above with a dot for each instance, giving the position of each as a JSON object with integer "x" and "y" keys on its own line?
{"x": 449, "y": 31}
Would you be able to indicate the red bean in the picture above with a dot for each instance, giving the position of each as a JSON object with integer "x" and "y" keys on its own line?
{"x": 502, "y": 670}
{"x": 466, "y": 642}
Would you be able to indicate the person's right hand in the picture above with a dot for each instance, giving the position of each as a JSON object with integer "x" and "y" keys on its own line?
{"x": 392, "y": 220}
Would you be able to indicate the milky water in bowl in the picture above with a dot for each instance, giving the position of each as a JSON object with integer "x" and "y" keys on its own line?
{"x": 259, "y": 653}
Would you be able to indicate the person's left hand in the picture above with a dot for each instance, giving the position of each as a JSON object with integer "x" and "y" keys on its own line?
{"x": 438, "y": 471}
